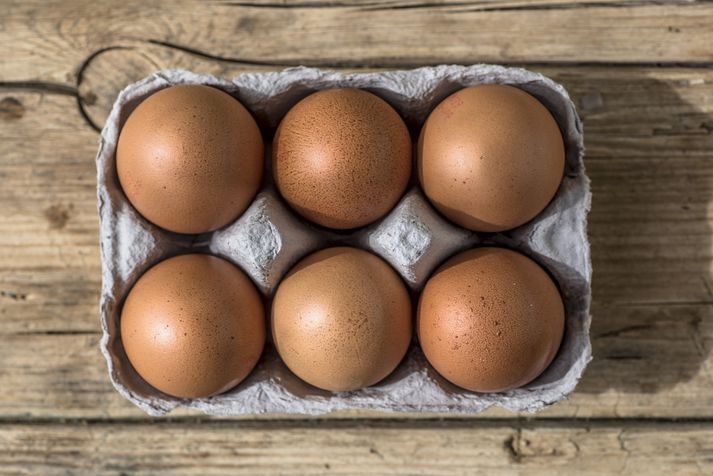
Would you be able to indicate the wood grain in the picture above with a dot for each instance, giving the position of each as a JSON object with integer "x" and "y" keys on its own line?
{"x": 50, "y": 40}
{"x": 351, "y": 448}
{"x": 641, "y": 74}
{"x": 653, "y": 361}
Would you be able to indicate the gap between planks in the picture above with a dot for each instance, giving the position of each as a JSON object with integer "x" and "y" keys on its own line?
{"x": 398, "y": 422}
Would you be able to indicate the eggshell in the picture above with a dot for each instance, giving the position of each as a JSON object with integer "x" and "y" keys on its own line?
{"x": 342, "y": 158}
{"x": 490, "y": 157}
{"x": 490, "y": 320}
{"x": 193, "y": 326}
{"x": 190, "y": 158}
{"x": 341, "y": 319}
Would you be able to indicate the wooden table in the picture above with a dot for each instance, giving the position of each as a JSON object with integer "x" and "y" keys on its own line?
{"x": 641, "y": 74}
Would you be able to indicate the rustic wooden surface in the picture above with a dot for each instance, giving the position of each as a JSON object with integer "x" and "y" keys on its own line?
{"x": 641, "y": 74}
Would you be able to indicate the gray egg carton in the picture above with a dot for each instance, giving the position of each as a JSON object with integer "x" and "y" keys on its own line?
{"x": 269, "y": 238}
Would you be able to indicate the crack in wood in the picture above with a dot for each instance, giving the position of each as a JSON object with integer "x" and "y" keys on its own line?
{"x": 15, "y": 296}
{"x": 624, "y": 357}
{"x": 376, "y": 452}
{"x": 80, "y": 77}
{"x": 623, "y": 330}
{"x": 470, "y": 6}
{"x": 622, "y": 447}
{"x": 701, "y": 302}
{"x": 517, "y": 424}
{"x": 707, "y": 285}
{"x": 512, "y": 446}
{"x": 295, "y": 6}
{"x": 566, "y": 6}
{"x": 41, "y": 87}
{"x": 407, "y": 63}
{"x": 58, "y": 332}
{"x": 236, "y": 60}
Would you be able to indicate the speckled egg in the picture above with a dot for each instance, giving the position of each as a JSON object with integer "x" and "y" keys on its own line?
{"x": 342, "y": 158}
{"x": 490, "y": 157}
{"x": 490, "y": 320}
{"x": 193, "y": 326}
{"x": 190, "y": 158}
{"x": 341, "y": 319}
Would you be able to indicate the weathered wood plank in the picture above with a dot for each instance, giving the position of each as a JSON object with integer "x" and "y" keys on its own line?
{"x": 50, "y": 41}
{"x": 349, "y": 448}
{"x": 650, "y": 361}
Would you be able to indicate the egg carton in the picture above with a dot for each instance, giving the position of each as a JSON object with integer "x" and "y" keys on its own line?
{"x": 269, "y": 238}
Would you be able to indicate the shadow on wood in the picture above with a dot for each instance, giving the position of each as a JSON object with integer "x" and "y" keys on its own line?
{"x": 647, "y": 140}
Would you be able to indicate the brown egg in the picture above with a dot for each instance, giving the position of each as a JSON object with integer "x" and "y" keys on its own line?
{"x": 342, "y": 158}
{"x": 490, "y": 320}
{"x": 193, "y": 326}
{"x": 490, "y": 157}
{"x": 190, "y": 158}
{"x": 341, "y": 319}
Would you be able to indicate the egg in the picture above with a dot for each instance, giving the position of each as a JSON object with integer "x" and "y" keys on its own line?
{"x": 490, "y": 157}
{"x": 342, "y": 158}
{"x": 490, "y": 320}
{"x": 190, "y": 158}
{"x": 193, "y": 326}
{"x": 341, "y": 319}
